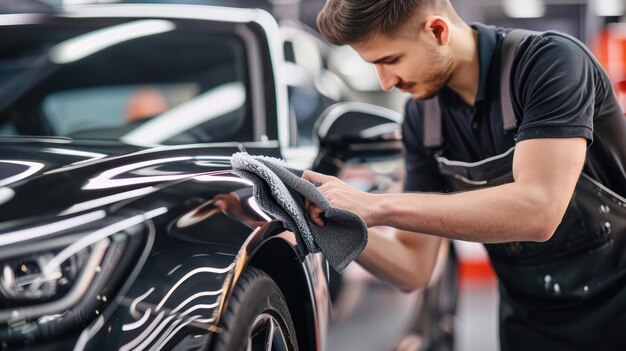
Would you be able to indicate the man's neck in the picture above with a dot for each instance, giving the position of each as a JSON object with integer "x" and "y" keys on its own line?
{"x": 466, "y": 71}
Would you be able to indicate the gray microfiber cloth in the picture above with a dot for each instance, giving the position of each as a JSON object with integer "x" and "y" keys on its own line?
{"x": 281, "y": 191}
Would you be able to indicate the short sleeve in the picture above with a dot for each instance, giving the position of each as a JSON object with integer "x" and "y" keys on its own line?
{"x": 421, "y": 169}
{"x": 554, "y": 88}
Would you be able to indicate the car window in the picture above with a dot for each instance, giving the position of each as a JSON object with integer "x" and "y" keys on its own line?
{"x": 76, "y": 110}
{"x": 7, "y": 129}
{"x": 169, "y": 85}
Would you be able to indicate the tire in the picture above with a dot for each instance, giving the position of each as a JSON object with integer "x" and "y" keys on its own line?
{"x": 255, "y": 307}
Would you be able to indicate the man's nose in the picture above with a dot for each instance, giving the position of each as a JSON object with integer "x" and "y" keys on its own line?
{"x": 386, "y": 78}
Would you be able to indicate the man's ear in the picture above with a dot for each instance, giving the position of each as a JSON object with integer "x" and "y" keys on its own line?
{"x": 439, "y": 29}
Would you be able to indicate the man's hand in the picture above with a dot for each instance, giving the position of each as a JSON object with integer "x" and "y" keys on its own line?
{"x": 340, "y": 195}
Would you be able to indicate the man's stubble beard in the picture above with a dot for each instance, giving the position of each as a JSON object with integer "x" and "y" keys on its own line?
{"x": 440, "y": 75}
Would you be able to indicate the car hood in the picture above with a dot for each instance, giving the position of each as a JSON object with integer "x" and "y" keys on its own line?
{"x": 51, "y": 177}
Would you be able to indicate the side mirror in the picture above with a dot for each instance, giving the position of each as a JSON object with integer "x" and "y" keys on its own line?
{"x": 356, "y": 132}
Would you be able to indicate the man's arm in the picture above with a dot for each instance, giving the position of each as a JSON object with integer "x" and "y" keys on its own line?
{"x": 545, "y": 173}
{"x": 405, "y": 259}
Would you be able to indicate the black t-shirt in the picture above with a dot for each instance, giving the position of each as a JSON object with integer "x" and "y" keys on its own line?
{"x": 559, "y": 91}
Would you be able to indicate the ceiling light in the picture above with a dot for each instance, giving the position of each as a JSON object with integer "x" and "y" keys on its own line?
{"x": 608, "y": 7}
{"x": 524, "y": 9}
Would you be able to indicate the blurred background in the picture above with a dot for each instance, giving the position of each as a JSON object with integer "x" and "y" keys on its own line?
{"x": 369, "y": 314}
{"x": 598, "y": 23}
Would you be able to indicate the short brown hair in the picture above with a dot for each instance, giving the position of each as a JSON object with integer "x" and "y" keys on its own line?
{"x": 350, "y": 22}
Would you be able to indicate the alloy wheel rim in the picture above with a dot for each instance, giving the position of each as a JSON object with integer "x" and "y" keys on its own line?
{"x": 266, "y": 334}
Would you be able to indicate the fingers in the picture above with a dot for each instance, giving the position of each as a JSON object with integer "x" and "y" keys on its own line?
{"x": 315, "y": 212}
{"x": 314, "y": 177}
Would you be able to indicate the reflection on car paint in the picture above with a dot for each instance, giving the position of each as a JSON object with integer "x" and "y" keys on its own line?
{"x": 88, "y": 333}
{"x": 318, "y": 281}
{"x": 103, "y": 233}
{"x": 111, "y": 178}
{"x": 106, "y": 200}
{"x": 47, "y": 229}
{"x": 6, "y": 194}
{"x": 213, "y": 163}
{"x": 141, "y": 321}
{"x": 89, "y": 156}
{"x": 214, "y": 177}
{"x": 189, "y": 275}
{"x": 108, "y": 179}
{"x": 229, "y": 204}
{"x": 50, "y": 271}
{"x": 255, "y": 206}
{"x": 204, "y": 311}
{"x": 32, "y": 168}
{"x": 174, "y": 269}
{"x": 177, "y": 315}
{"x": 133, "y": 305}
{"x": 195, "y": 296}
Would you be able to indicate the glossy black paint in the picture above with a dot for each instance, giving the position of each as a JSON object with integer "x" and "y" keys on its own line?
{"x": 205, "y": 228}
{"x": 193, "y": 224}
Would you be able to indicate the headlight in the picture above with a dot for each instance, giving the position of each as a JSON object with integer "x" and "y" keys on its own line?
{"x": 64, "y": 276}
{"x": 38, "y": 278}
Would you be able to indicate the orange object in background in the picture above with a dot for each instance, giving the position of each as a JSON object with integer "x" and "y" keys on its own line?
{"x": 610, "y": 50}
{"x": 474, "y": 266}
{"x": 476, "y": 271}
{"x": 145, "y": 103}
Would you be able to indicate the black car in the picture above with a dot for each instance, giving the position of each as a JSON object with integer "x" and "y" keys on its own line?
{"x": 122, "y": 226}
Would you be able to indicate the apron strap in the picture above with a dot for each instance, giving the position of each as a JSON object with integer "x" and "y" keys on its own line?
{"x": 507, "y": 53}
{"x": 433, "y": 139}
{"x": 432, "y": 124}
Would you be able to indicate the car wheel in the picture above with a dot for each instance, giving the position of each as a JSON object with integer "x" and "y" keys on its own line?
{"x": 257, "y": 317}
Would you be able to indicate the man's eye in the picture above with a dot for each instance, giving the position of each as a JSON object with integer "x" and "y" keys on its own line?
{"x": 392, "y": 61}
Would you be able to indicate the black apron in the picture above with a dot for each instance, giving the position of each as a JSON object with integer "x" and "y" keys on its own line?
{"x": 568, "y": 293}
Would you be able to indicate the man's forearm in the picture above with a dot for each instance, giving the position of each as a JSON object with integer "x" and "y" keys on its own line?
{"x": 485, "y": 215}
{"x": 405, "y": 260}
{"x": 529, "y": 209}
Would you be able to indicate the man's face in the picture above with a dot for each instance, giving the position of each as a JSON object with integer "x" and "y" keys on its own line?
{"x": 415, "y": 66}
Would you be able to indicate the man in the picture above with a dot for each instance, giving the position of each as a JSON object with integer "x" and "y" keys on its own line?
{"x": 555, "y": 236}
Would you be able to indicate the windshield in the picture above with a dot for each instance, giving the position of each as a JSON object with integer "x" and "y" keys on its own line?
{"x": 143, "y": 82}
